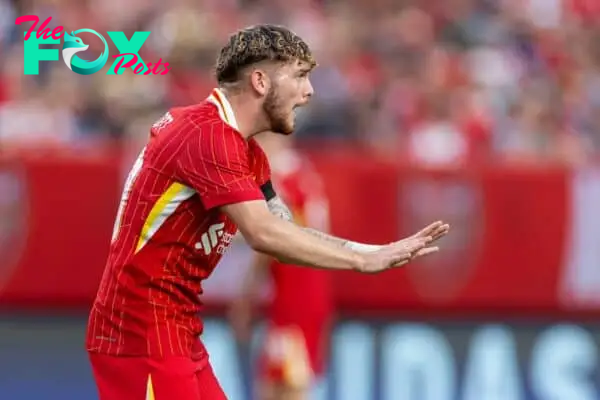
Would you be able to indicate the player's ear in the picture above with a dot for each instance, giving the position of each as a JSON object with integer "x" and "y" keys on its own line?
{"x": 260, "y": 81}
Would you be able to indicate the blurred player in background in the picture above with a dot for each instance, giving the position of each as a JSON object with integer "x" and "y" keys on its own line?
{"x": 298, "y": 318}
{"x": 200, "y": 178}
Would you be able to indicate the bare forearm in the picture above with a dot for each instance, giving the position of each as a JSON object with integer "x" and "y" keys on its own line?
{"x": 359, "y": 247}
{"x": 292, "y": 244}
{"x": 324, "y": 236}
{"x": 281, "y": 210}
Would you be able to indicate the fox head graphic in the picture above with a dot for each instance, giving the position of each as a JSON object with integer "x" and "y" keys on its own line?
{"x": 71, "y": 46}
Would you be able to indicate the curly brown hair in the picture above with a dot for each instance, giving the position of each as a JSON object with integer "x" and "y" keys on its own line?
{"x": 256, "y": 44}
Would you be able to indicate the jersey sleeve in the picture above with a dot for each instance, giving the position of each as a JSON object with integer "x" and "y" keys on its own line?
{"x": 214, "y": 162}
{"x": 261, "y": 168}
{"x": 259, "y": 163}
{"x": 268, "y": 190}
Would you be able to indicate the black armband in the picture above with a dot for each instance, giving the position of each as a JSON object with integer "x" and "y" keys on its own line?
{"x": 268, "y": 191}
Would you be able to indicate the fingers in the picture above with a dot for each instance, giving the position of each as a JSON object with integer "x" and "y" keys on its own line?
{"x": 436, "y": 230}
{"x": 411, "y": 243}
{"x": 414, "y": 244}
{"x": 399, "y": 264}
{"x": 426, "y": 251}
{"x": 405, "y": 249}
{"x": 441, "y": 231}
{"x": 422, "y": 252}
{"x": 428, "y": 230}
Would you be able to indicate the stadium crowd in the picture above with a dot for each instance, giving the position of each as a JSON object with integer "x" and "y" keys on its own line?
{"x": 434, "y": 81}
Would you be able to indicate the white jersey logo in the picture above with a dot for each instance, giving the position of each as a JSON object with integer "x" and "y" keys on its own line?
{"x": 163, "y": 121}
{"x": 215, "y": 238}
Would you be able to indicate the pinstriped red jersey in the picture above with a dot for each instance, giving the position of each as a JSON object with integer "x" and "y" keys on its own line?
{"x": 169, "y": 234}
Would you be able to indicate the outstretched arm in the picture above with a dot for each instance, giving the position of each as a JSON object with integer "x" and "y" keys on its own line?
{"x": 292, "y": 244}
{"x": 282, "y": 239}
{"x": 278, "y": 208}
{"x": 221, "y": 177}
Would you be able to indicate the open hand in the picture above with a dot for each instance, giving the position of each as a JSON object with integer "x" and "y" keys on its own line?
{"x": 399, "y": 253}
{"x": 435, "y": 230}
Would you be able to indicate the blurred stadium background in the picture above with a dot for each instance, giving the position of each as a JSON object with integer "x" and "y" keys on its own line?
{"x": 485, "y": 113}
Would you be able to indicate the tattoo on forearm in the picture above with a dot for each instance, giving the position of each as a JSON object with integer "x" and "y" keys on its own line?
{"x": 325, "y": 236}
{"x": 281, "y": 210}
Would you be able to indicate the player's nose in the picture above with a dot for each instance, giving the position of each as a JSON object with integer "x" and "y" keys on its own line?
{"x": 309, "y": 90}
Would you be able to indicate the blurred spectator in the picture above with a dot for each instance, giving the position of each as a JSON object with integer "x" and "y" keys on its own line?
{"x": 435, "y": 82}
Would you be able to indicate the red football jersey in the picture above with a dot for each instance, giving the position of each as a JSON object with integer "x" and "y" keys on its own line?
{"x": 169, "y": 233}
{"x": 302, "y": 296}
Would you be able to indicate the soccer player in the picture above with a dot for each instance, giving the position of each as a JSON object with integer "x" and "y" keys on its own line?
{"x": 299, "y": 315}
{"x": 200, "y": 178}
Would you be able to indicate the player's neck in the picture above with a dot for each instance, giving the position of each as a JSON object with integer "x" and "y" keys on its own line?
{"x": 248, "y": 113}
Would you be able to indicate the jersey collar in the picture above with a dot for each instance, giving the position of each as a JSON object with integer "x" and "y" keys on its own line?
{"x": 217, "y": 97}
